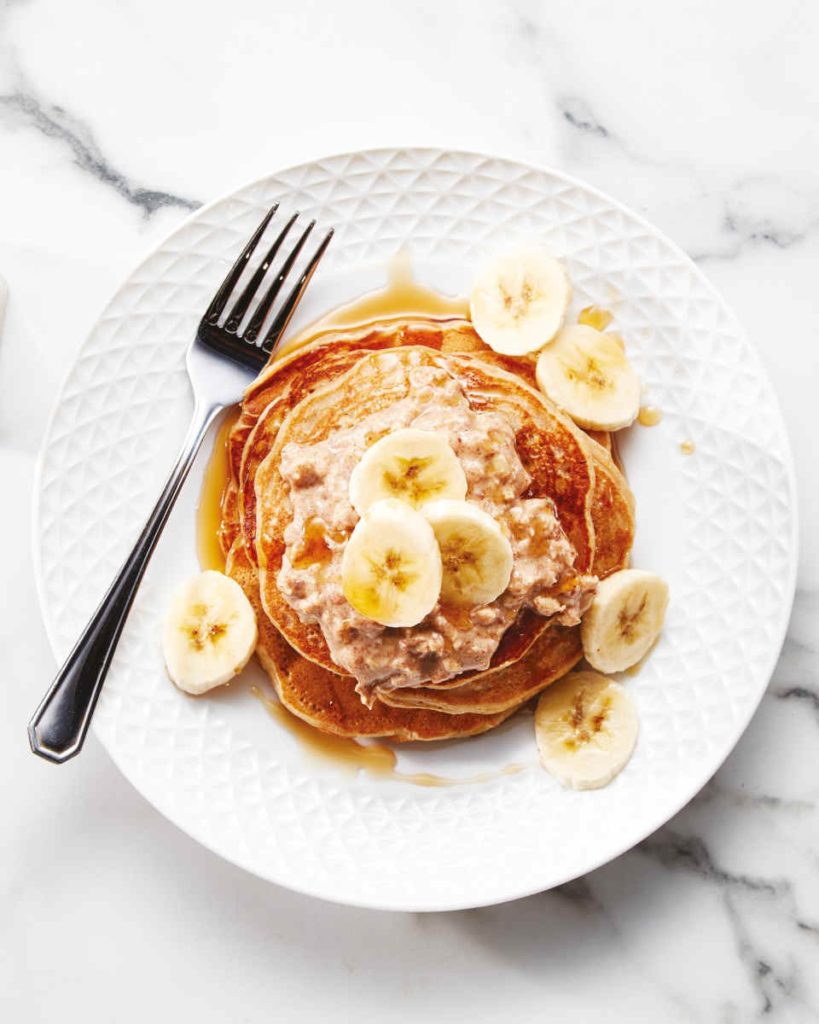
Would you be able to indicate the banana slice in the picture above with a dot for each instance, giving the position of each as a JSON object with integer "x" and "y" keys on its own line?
{"x": 477, "y": 558}
{"x": 391, "y": 567}
{"x": 586, "y": 728}
{"x": 624, "y": 620}
{"x": 519, "y": 302}
{"x": 210, "y": 632}
{"x": 414, "y": 465}
{"x": 586, "y": 372}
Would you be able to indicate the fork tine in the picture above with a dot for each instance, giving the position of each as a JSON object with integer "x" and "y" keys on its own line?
{"x": 243, "y": 302}
{"x": 283, "y": 316}
{"x": 256, "y": 321}
{"x": 219, "y": 302}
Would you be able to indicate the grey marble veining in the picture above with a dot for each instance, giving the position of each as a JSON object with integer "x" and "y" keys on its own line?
{"x": 115, "y": 122}
{"x": 24, "y": 109}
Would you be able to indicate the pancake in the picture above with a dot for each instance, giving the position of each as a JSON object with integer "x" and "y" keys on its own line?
{"x": 552, "y": 450}
{"x": 328, "y": 700}
{"x": 529, "y": 657}
{"x": 284, "y": 382}
{"x": 612, "y": 514}
{"x": 497, "y": 692}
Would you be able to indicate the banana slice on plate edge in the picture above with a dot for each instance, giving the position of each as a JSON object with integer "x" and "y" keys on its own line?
{"x": 586, "y": 373}
{"x": 586, "y": 729}
{"x": 624, "y": 620}
{"x": 210, "y": 632}
{"x": 519, "y": 301}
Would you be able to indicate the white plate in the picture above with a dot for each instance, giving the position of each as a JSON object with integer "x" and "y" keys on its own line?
{"x": 718, "y": 524}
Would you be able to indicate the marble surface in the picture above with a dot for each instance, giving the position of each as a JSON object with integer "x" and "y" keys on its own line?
{"x": 118, "y": 119}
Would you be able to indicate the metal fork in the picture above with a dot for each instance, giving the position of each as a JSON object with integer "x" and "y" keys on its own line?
{"x": 221, "y": 362}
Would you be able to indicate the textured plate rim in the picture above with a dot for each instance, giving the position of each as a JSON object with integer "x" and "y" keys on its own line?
{"x": 504, "y": 893}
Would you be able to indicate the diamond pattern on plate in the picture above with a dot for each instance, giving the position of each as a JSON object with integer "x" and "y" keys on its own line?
{"x": 394, "y": 845}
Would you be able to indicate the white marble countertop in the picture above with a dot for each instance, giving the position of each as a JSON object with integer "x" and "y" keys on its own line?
{"x": 118, "y": 119}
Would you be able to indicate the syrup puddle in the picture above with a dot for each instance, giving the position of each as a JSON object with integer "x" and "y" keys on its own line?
{"x": 211, "y": 498}
{"x": 649, "y": 416}
{"x": 595, "y": 316}
{"x": 402, "y": 298}
{"x": 376, "y": 759}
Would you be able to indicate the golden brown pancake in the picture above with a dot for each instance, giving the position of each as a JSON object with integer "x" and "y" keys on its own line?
{"x": 284, "y": 382}
{"x": 470, "y": 703}
{"x": 612, "y": 514}
{"x": 552, "y": 450}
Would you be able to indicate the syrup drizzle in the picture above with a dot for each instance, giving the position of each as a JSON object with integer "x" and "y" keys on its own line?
{"x": 376, "y": 759}
{"x": 649, "y": 416}
{"x": 402, "y": 298}
{"x": 211, "y": 498}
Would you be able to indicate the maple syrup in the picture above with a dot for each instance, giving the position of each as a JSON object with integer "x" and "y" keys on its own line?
{"x": 596, "y": 317}
{"x": 427, "y": 779}
{"x": 649, "y": 416}
{"x": 403, "y": 297}
{"x": 687, "y": 447}
{"x": 349, "y": 754}
{"x": 212, "y": 496}
{"x": 316, "y": 544}
{"x": 375, "y": 759}
{"x": 457, "y": 615}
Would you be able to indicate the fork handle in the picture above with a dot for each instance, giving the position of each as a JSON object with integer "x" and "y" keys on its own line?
{"x": 58, "y": 728}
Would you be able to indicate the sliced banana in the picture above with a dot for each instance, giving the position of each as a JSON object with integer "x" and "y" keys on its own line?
{"x": 586, "y": 728}
{"x": 519, "y": 302}
{"x": 414, "y": 465}
{"x": 586, "y": 372}
{"x": 210, "y": 632}
{"x": 624, "y": 620}
{"x": 391, "y": 566}
{"x": 477, "y": 557}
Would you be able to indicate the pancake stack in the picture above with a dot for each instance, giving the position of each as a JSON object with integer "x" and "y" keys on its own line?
{"x": 335, "y": 383}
